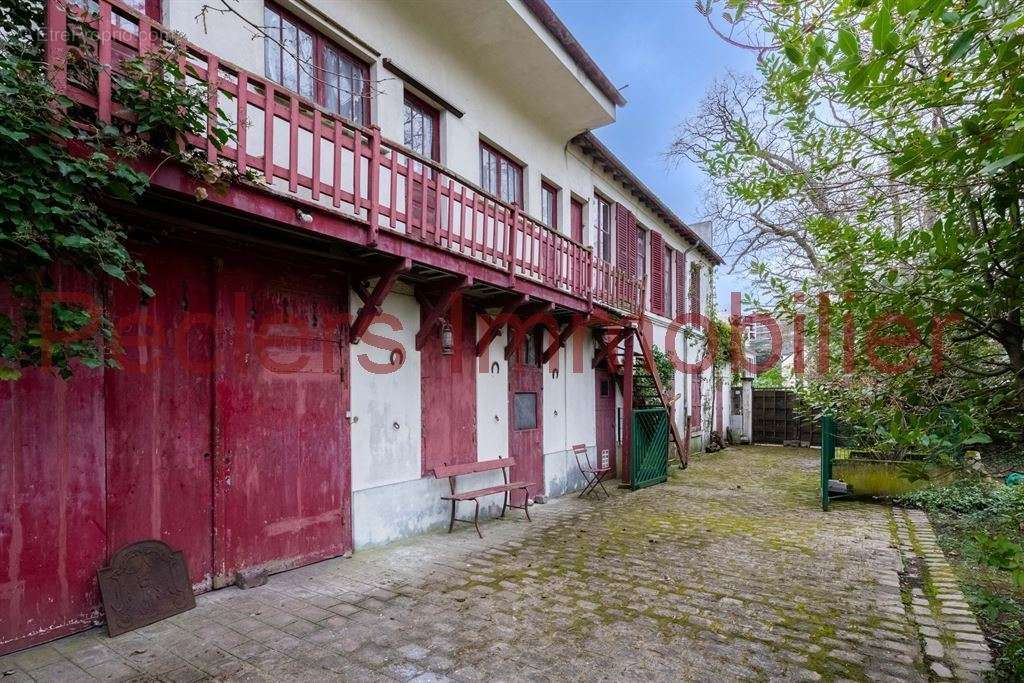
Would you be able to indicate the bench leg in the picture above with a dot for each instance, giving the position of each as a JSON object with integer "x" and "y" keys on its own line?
{"x": 526, "y": 503}
{"x": 476, "y": 518}
{"x": 504, "y": 504}
{"x": 451, "y": 524}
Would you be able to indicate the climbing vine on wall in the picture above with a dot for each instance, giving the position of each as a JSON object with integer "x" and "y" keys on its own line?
{"x": 59, "y": 173}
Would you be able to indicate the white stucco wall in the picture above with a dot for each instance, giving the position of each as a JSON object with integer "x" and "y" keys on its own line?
{"x": 382, "y": 398}
{"x": 492, "y": 398}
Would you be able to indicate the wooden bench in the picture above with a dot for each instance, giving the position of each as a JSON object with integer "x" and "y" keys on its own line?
{"x": 455, "y": 471}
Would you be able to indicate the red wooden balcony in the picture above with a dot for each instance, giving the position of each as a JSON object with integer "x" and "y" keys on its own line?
{"x": 314, "y": 159}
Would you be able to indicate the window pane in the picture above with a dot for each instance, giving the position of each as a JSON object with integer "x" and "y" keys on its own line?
{"x": 429, "y": 134}
{"x": 344, "y": 88}
{"x": 548, "y": 211}
{"x": 331, "y": 81}
{"x": 358, "y": 88}
{"x": 488, "y": 171}
{"x": 305, "y": 64}
{"x": 526, "y": 411}
{"x": 271, "y": 49}
{"x": 289, "y": 67}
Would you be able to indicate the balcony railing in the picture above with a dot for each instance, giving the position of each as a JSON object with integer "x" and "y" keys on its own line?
{"x": 310, "y": 154}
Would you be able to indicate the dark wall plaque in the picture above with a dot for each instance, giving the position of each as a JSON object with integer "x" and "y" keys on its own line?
{"x": 145, "y": 582}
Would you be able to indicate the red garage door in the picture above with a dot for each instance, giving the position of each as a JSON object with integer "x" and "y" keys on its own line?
{"x": 224, "y": 435}
{"x": 158, "y": 410}
{"x": 282, "y": 482}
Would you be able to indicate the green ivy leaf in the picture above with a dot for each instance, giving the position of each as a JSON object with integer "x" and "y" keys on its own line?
{"x": 999, "y": 164}
{"x": 113, "y": 271}
{"x": 960, "y": 46}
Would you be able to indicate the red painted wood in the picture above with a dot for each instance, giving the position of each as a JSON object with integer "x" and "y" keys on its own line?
{"x": 283, "y": 463}
{"x": 576, "y": 219}
{"x": 680, "y": 283}
{"x": 212, "y": 95}
{"x": 657, "y": 273}
{"x": 627, "y": 410}
{"x": 103, "y": 77}
{"x": 527, "y": 445}
{"x": 52, "y": 489}
{"x": 448, "y": 394}
{"x": 158, "y": 411}
{"x": 695, "y": 400}
{"x": 605, "y": 415}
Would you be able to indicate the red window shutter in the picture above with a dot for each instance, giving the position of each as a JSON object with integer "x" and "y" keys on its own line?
{"x": 657, "y": 274}
{"x": 681, "y": 282}
{"x": 625, "y": 238}
{"x": 695, "y": 400}
{"x": 623, "y": 245}
{"x": 695, "y": 289}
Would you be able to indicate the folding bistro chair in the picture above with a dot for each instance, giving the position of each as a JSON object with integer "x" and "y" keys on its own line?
{"x": 594, "y": 476}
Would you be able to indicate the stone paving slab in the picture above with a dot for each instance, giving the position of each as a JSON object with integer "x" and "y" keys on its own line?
{"x": 729, "y": 571}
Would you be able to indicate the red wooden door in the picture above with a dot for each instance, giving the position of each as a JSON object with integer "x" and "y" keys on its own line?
{"x": 158, "y": 412}
{"x": 52, "y": 523}
{"x": 282, "y": 472}
{"x": 605, "y": 417}
{"x": 576, "y": 219}
{"x": 526, "y": 416}
{"x": 448, "y": 397}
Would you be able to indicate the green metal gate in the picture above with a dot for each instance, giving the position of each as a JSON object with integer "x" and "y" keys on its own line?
{"x": 649, "y": 462}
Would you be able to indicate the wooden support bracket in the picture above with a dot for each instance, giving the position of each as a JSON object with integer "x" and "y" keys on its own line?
{"x": 520, "y": 328}
{"x": 372, "y": 300}
{"x": 607, "y": 351}
{"x": 439, "y": 307}
{"x": 494, "y": 324}
{"x": 575, "y": 323}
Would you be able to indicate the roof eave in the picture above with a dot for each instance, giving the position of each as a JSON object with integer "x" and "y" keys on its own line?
{"x": 589, "y": 143}
{"x": 543, "y": 12}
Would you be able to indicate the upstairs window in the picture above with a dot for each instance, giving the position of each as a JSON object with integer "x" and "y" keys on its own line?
{"x": 501, "y": 176}
{"x": 549, "y": 205}
{"x": 422, "y": 128}
{"x": 695, "y": 288}
{"x": 604, "y": 229}
{"x": 346, "y": 86}
{"x": 641, "y": 252}
{"x": 305, "y": 62}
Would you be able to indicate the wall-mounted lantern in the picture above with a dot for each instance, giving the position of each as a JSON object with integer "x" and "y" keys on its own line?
{"x": 447, "y": 339}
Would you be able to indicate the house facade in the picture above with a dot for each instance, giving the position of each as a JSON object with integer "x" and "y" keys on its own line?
{"x": 433, "y": 261}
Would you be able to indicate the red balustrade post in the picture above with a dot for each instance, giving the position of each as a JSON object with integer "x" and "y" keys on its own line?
{"x": 57, "y": 44}
{"x": 511, "y": 247}
{"x": 212, "y": 94}
{"x": 104, "y": 34}
{"x": 373, "y": 183}
{"x": 588, "y": 278}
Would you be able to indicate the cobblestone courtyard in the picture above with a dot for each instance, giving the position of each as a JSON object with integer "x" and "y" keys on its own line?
{"x": 730, "y": 571}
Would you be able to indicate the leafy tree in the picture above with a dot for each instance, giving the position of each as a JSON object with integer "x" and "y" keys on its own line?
{"x": 878, "y": 155}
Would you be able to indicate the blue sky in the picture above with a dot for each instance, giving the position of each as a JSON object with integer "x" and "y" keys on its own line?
{"x": 665, "y": 52}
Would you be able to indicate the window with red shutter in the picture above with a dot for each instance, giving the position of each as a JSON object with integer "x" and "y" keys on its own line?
{"x": 667, "y": 282}
{"x": 681, "y": 282}
{"x": 657, "y": 274}
{"x": 695, "y": 288}
{"x": 625, "y": 238}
